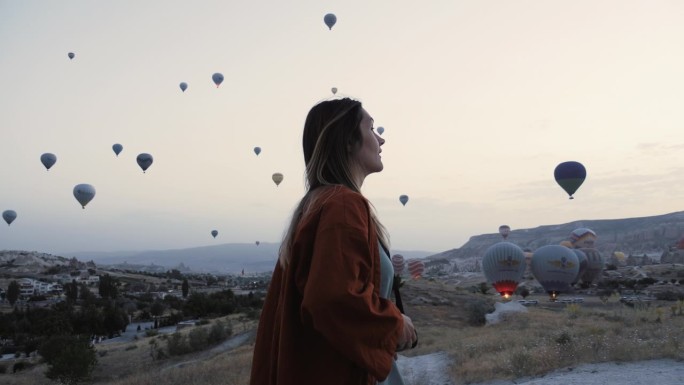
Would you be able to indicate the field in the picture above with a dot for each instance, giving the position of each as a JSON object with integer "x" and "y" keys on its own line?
{"x": 448, "y": 319}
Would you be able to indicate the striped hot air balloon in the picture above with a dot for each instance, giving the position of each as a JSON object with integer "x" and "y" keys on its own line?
{"x": 416, "y": 267}
{"x": 398, "y": 264}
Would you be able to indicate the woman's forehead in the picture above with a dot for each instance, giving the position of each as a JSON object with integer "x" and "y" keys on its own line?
{"x": 365, "y": 117}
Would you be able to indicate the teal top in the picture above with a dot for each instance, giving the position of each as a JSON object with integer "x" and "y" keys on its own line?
{"x": 386, "y": 281}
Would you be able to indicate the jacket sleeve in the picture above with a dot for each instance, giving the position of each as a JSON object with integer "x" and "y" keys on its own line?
{"x": 339, "y": 298}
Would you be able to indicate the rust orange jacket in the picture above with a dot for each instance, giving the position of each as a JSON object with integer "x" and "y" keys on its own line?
{"x": 323, "y": 321}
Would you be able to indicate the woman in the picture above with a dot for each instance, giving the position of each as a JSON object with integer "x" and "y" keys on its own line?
{"x": 324, "y": 319}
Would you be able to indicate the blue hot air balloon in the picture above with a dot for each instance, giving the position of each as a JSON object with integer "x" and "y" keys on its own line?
{"x": 217, "y": 78}
{"x": 214, "y": 233}
{"x": 183, "y": 86}
{"x": 330, "y": 20}
{"x": 403, "y": 199}
{"x": 381, "y": 130}
{"x": 570, "y": 176}
{"x": 48, "y": 160}
{"x": 9, "y": 216}
{"x": 257, "y": 150}
{"x": 144, "y": 161}
{"x": 117, "y": 148}
{"x": 71, "y": 55}
{"x": 84, "y": 193}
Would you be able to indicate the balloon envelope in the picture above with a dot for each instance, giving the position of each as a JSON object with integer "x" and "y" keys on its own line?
{"x": 84, "y": 193}
{"x": 183, "y": 86}
{"x": 504, "y": 230}
{"x": 214, "y": 233}
{"x": 330, "y": 20}
{"x": 117, "y": 148}
{"x": 416, "y": 267}
{"x": 583, "y": 238}
{"x": 257, "y": 243}
{"x": 144, "y": 161}
{"x": 257, "y": 150}
{"x": 403, "y": 199}
{"x": 9, "y": 216}
{"x": 334, "y": 90}
{"x": 277, "y": 178}
{"x": 398, "y": 264}
{"x": 381, "y": 130}
{"x": 570, "y": 176}
{"x": 555, "y": 267}
{"x": 217, "y": 78}
{"x": 503, "y": 265}
{"x": 48, "y": 160}
{"x": 583, "y": 263}
{"x": 72, "y": 55}
{"x": 594, "y": 265}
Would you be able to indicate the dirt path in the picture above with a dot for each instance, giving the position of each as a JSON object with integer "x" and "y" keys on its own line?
{"x": 227, "y": 345}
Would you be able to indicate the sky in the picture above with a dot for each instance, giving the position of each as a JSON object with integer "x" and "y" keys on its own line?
{"x": 480, "y": 100}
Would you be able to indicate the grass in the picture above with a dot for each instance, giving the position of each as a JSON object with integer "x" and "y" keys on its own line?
{"x": 548, "y": 337}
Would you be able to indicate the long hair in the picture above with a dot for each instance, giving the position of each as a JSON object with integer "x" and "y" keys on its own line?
{"x": 330, "y": 130}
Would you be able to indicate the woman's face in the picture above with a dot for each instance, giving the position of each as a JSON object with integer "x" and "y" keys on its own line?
{"x": 366, "y": 155}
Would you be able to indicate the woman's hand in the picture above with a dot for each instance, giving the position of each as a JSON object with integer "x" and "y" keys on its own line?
{"x": 408, "y": 336}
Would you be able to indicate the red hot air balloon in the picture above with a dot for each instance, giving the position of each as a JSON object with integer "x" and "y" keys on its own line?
{"x": 416, "y": 267}
{"x": 398, "y": 264}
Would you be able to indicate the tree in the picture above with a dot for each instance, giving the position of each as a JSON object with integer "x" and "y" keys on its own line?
{"x": 70, "y": 358}
{"x": 13, "y": 292}
{"x": 185, "y": 287}
{"x": 107, "y": 287}
{"x": 71, "y": 291}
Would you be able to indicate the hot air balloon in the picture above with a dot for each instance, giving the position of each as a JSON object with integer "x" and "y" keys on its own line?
{"x": 330, "y": 20}
{"x": 277, "y": 178}
{"x": 381, "y": 129}
{"x": 48, "y": 160}
{"x": 71, "y": 55}
{"x": 217, "y": 78}
{"x": 583, "y": 263}
{"x": 416, "y": 267}
{"x": 257, "y": 243}
{"x": 84, "y": 193}
{"x": 257, "y": 150}
{"x": 183, "y": 86}
{"x": 334, "y": 90}
{"x": 214, "y": 233}
{"x": 117, "y": 148}
{"x": 555, "y": 267}
{"x": 583, "y": 238}
{"x": 144, "y": 161}
{"x": 570, "y": 176}
{"x": 504, "y": 230}
{"x": 403, "y": 199}
{"x": 504, "y": 265}
{"x": 594, "y": 266}
{"x": 398, "y": 264}
{"x": 9, "y": 216}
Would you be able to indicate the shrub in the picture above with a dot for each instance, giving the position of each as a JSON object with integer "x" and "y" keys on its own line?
{"x": 476, "y": 312}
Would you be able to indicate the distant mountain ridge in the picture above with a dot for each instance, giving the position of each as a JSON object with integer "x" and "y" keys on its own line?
{"x": 223, "y": 258}
{"x": 632, "y": 236}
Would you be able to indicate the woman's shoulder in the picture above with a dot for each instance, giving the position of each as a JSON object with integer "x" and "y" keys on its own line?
{"x": 339, "y": 194}
{"x": 341, "y": 201}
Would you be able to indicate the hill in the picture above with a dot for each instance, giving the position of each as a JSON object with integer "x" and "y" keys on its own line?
{"x": 633, "y": 236}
